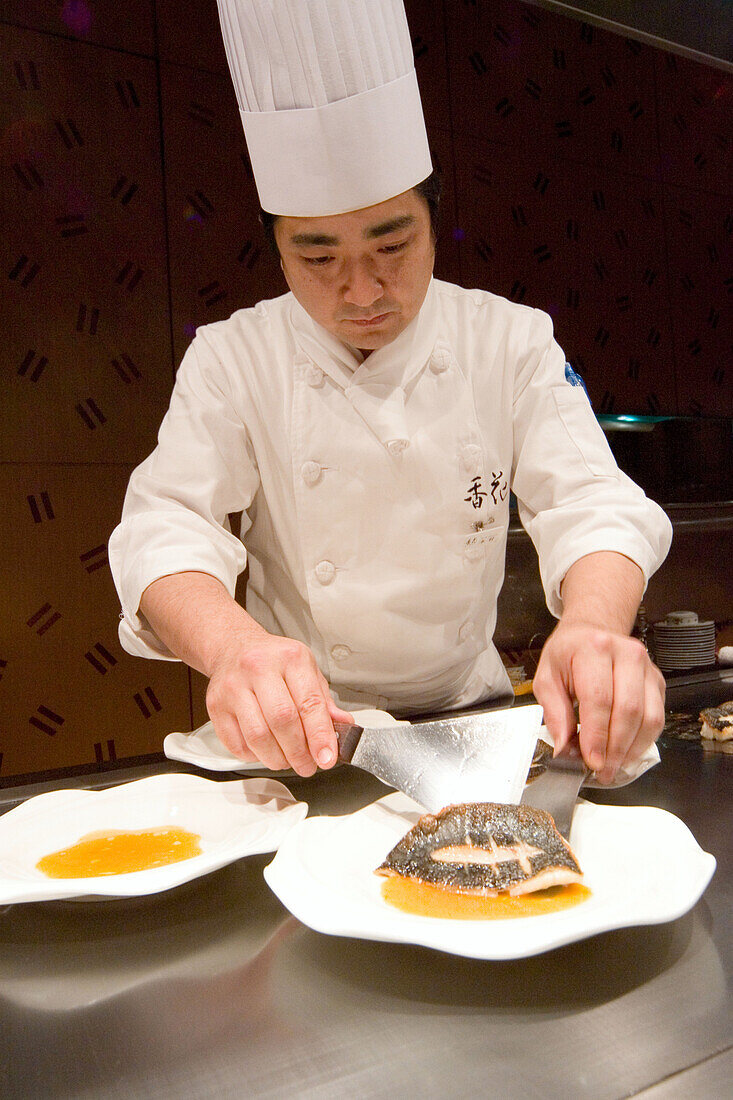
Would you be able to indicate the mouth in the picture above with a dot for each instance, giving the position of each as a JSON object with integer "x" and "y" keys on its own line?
{"x": 367, "y": 322}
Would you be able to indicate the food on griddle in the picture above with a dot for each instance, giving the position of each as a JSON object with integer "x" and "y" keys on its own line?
{"x": 717, "y": 722}
{"x": 485, "y": 849}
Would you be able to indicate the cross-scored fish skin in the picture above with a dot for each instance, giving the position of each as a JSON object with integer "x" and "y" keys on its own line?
{"x": 517, "y": 850}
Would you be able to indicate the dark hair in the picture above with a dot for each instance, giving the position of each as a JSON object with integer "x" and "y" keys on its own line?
{"x": 428, "y": 189}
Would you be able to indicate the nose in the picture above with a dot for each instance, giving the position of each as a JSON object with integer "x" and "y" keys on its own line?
{"x": 361, "y": 286}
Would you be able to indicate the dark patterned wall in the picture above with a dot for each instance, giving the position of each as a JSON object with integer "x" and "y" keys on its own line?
{"x": 584, "y": 173}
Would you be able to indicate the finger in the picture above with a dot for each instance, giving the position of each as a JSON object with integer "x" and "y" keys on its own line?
{"x": 557, "y": 708}
{"x": 631, "y": 665}
{"x": 336, "y": 713}
{"x": 258, "y": 735}
{"x": 315, "y": 718}
{"x": 653, "y": 722}
{"x": 226, "y": 728}
{"x": 593, "y": 679}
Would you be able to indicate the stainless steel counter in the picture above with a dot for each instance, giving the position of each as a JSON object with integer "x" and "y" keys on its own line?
{"x": 213, "y": 990}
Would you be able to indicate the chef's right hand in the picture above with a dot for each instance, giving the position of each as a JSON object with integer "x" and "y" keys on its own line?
{"x": 269, "y": 701}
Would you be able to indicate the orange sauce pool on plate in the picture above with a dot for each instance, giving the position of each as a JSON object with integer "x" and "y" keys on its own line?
{"x": 424, "y": 900}
{"x": 120, "y": 851}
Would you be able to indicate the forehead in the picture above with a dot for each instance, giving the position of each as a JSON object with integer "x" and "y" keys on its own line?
{"x": 372, "y": 222}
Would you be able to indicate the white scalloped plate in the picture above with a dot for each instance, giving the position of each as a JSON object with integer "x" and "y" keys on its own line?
{"x": 642, "y": 865}
{"x": 204, "y": 749}
{"x": 238, "y": 818}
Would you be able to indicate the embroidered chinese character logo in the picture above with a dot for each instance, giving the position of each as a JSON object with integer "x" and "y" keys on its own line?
{"x": 475, "y": 494}
{"x": 499, "y": 486}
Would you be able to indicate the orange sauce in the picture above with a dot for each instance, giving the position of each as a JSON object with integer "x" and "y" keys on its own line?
{"x": 424, "y": 900}
{"x": 120, "y": 851}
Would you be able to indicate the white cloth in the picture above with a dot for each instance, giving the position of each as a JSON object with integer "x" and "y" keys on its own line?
{"x": 359, "y": 483}
{"x": 329, "y": 101}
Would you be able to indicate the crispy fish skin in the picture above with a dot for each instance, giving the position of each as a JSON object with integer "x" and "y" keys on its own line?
{"x": 542, "y": 753}
{"x": 484, "y": 848}
{"x": 717, "y": 722}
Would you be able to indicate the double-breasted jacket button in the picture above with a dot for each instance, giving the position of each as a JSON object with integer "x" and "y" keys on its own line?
{"x": 311, "y": 472}
{"x": 314, "y": 375}
{"x": 325, "y": 571}
{"x": 340, "y": 653}
{"x": 397, "y": 446}
{"x": 440, "y": 360}
{"x": 471, "y": 459}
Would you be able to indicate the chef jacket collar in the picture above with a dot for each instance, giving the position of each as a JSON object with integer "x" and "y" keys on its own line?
{"x": 397, "y": 364}
{"x": 376, "y": 386}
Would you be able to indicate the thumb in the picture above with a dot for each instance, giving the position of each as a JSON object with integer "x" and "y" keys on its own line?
{"x": 337, "y": 714}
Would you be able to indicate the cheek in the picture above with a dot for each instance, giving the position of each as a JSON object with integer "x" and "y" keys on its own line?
{"x": 303, "y": 280}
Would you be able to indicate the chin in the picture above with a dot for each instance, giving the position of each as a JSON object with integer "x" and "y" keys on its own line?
{"x": 372, "y": 339}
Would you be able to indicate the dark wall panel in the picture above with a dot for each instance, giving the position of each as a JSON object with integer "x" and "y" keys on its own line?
{"x": 700, "y": 249}
{"x": 219, "y": 259}
{"x": 68, "y": 693}
{"x": 124, "y": 26}
{"x": 83, "y": 254}
{"x": 583, "y": 245}
{"x": 191, "y": 35}
{"x": 695, "y": 137}
{"x": 531, "y": 79}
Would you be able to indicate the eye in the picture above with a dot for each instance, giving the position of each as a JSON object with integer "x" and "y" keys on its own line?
{"x": 390, "y": 249}
{"x": 317, "y": 261}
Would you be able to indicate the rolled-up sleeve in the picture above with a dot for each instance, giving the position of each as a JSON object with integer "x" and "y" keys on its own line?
{"x": 573, "y": 499}
{"x": 175, "y": 514}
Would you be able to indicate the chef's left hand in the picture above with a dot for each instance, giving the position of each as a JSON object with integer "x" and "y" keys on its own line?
{"x": 619, "y": 692}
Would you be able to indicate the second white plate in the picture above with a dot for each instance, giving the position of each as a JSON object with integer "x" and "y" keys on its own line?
{"x": 233, "y": 819}
{"x": 642, "y": 865}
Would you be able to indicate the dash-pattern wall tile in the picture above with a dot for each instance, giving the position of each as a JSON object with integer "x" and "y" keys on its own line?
{"x": 127, "y": 26}
{"x": 695, "y": 124}
{"x": 521, "y": 76}
{"x": 66, "y": 684}
{"x": 700, "y": 249}
{"x": 82, "y": 254}
{"x": 447, "y": 255}
{"x": 585, "y": 245}
{"x": 220, "y": 260}
{"x": 427, "y": 30}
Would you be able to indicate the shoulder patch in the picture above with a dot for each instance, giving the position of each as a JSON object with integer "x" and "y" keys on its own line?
{"x": 574, "y": 378}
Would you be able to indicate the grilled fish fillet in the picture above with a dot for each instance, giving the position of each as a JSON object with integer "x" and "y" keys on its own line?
{"x": 717, "y": 722}
{"x": 485, "y": 848}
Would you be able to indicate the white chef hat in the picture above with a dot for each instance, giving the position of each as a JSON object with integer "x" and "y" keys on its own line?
{"x": 329, "y": 101}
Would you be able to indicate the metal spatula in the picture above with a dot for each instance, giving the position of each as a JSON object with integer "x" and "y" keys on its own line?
{"x": 556, "y": 788}
{"x": 478, "y": 757}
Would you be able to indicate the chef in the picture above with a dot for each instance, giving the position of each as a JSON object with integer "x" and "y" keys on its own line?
{"x": 369, "y": 426}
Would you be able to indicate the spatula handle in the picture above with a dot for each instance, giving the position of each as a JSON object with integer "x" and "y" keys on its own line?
{"x": 348, "y": 738}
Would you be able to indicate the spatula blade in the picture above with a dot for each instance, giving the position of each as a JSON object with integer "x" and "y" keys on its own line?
{"x": 556, "y": 789}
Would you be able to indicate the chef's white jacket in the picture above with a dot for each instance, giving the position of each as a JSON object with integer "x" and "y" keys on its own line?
{"x": 375, "y": 493}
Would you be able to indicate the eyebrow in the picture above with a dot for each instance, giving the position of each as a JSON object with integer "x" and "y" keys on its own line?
{"x": 325, "y": 240}
{"x": 322, "y": 239}
{"x": 391, "y": 226}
